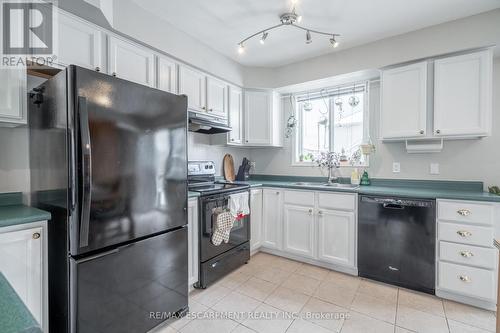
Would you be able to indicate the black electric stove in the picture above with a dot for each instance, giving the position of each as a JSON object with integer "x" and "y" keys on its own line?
{"x": 216, "y": 261}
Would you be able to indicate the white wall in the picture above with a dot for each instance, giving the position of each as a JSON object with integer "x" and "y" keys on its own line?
{"x": 14, "y": 160}
{"x": 199, "y": 148}
{"x": 460, "y": 160}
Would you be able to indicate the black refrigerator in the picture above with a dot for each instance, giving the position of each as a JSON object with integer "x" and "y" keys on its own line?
{"x": 108, "y": 159}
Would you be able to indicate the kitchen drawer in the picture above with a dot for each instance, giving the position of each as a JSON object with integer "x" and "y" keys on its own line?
{"x": 302, "y": 198}
{"x": 465, "y": 211}
{"x": 337, "y": 201}
{"x": 470, "y": 281}
{"x": 468, "y": 255}
{"x": 466, "y": 234}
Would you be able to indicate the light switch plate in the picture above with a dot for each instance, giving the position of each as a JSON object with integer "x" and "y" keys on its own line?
{"x": 396, "y": 167}
{"x": 434, "y": 169}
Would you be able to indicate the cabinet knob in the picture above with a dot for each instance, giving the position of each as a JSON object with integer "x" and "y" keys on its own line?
{"x": 466, "y": 254}
{"x": 97, "y": 69}
{"x": 36, "y": 235}
{"x": 114, "y": 74}
{"x": 463, "y": 233}
{"x": 421, "y": 132}
{"x": 232, "y": 139}
{"x": 438, "y": 131}
{"x": 246, "y": 140}
{"x": 203, "y": 107}
{"x": 277, "y": 193}
{"x": 464, "y": 278}
{"x": 320, "y": 212}
{"x": 310, "y": 211}
{"x": 464, "y": 212}
{"x": 210, "y": 110}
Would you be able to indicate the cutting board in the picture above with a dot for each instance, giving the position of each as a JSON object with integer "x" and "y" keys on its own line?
{"x": 229, "y": 168}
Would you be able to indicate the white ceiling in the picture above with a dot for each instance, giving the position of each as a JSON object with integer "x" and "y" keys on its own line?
{"x": 221, "y": 24}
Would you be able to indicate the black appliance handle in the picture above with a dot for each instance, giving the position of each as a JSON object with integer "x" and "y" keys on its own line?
{"x": 72, "y": 171}
{"x": 393, "y": 206}
{"x": 86, "y": 170}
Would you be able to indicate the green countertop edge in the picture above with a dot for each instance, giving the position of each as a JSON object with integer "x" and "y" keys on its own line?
{"x": 422, "y": 189}
{"x": 14, "y": 315}
{"x": 193, "y": 194}
{"x": 13, "y": 212}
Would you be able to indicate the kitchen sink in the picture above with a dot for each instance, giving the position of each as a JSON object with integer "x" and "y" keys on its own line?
{"x": 337, "y": 185}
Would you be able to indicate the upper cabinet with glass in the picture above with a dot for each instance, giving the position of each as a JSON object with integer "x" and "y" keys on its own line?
{"x": 333, "y": 119}
{"x": 448, "y": 98}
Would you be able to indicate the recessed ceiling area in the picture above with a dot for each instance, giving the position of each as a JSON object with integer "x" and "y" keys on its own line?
{"x": 221, "y": 24}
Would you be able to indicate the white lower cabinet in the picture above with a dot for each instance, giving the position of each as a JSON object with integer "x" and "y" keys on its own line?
{"x": 336, "y": 237}
{"x": 299, "y": 230}
{"x": 255, "y": 219}
{"x": 23, "y": 262}
{"x": 271, "y": 219}
{"x": 193, "y": 241}
{"x": 319, "y": 227}
{"x": 466, "y": 262}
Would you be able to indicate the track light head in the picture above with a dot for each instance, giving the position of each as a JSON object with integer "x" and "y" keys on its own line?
{"x": 241, "y": 48}
{"x": 334, "y": 42}
{"x": 263, "y": 38}
{"x": 308, "y": 37}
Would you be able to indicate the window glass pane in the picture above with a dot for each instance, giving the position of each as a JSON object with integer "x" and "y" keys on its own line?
{"x": 348, "y": 122}
{"x": 314, "y": 128}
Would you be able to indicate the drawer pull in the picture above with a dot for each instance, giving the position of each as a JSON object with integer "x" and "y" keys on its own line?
{"x": 464, "y": 278}
{"x": 466, "y": 254}
{"x": 464, "y": 212}
{"x": 36, "y": 235}
{"x": 310, "y": 211}
{"x": 464, "y": 233}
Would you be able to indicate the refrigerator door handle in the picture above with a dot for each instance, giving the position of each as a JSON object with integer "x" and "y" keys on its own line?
{"x": 86, "y": 169}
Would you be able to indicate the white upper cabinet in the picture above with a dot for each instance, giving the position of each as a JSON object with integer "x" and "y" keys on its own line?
{"x": 235, "y": 115}
{"x": 192, "y": 83}
{"x": 13, "y": 97}
{"x": 463, "y": 95}
{"x": 403, "y": 109}
{"x": 262, "y": 118}
{"x": 80, "y": 43}
{"x": 167, "y": 74}
{"x": 131, "y": 61}
{"x": 217, "y": 101}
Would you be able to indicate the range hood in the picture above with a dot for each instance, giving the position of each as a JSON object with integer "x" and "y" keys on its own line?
{"x": 207, "y": 124}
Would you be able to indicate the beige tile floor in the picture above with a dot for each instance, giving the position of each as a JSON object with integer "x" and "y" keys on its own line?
{"x": 278, "y": 286}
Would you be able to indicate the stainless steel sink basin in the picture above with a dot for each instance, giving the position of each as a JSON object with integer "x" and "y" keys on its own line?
{"x": 337, "y": 185}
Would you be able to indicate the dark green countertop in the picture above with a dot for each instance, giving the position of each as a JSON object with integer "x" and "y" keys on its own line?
{"x": 14, "y": 315}
{"x": 400, "y": 188}
{"x": 13, "y": 212}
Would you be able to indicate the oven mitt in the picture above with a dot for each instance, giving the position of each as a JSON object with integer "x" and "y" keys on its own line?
{"x": 222, "y": 227}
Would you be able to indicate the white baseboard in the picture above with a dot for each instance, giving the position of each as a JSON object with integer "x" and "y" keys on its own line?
{"x": 483, "y": 304}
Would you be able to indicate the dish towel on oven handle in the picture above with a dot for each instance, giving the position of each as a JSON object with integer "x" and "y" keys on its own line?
{"x": 238, "y": 205}
{"x": 222, "y": 221}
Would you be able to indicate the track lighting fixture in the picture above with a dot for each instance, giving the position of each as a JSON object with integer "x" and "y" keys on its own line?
{"x": 308, "y": 37}
{"x": 263, "y": 38}
{"x": 333, "y": 41}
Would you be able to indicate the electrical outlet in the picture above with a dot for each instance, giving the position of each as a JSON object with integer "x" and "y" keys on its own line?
{"x": 434, "y": 169}
{"x": 252, "y": 165}
{"x": 396, "y": 167}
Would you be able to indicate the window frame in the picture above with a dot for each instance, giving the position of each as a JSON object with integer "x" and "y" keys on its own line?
{"x": 297, "y": 134}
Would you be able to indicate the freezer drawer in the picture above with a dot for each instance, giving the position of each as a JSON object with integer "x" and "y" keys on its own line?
{"x": 116, "y": 291}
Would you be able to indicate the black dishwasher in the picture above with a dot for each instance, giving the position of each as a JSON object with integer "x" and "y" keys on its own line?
{"x": 396, "y": 241}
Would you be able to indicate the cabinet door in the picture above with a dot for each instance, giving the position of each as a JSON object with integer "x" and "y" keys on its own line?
{"x": 255, "y": 219}
{"x": 235, "y": 115}
{"x": 337, "y": 238}
{"x": 79, "y": 43}
{"x": 258, "y": 118}
{"x": 217, "y": 97}
{"x": 271, "y": 219}
{"x": 167, "y": 74}
{"x": 192, "y": 84}
{"x": 462, "y": 95}
{"x": 193, "y": 261}
{"x": 131, "y": 62}
{"x": 21, "y": 260}
{"x": 403, "y": 109}
{"x": 298, "y": 230}
{"x": 13, "y": 96}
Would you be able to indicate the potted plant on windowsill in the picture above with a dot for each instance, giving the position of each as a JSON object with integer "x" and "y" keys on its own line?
{"x": 329, "y": 160}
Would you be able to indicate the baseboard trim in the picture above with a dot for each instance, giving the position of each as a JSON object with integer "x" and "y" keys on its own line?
{"x": 483, "y": 304}
{"x": 339, "y": 268}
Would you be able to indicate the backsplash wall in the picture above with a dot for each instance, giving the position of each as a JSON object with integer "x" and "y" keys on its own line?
{"x": 460, "y": 159}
